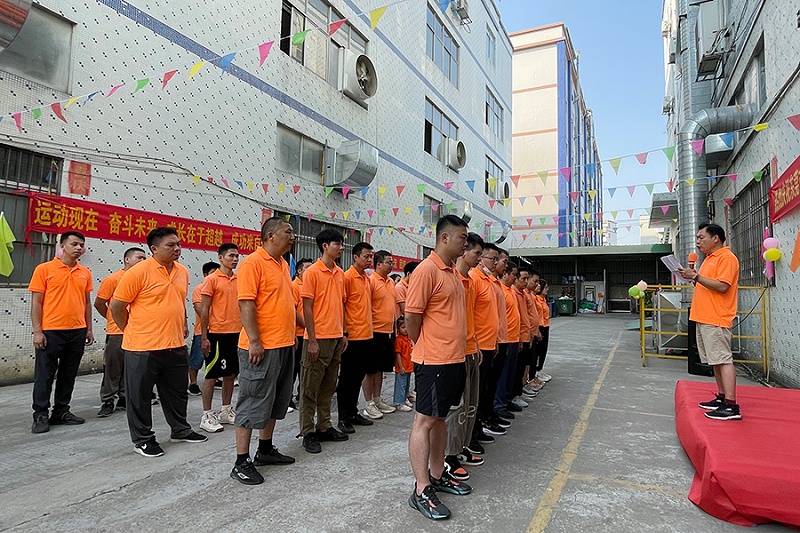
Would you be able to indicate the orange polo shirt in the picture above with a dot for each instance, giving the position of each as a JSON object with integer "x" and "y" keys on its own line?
{"x": 157, "y": 311}
{"x": 326, "y": 287}
{"x": 512, "y": 313}
{"x": 267, "y": 282}
{"x": 485, "y": 310}
{"x": 403, "y": 346}
{"x": 297, "y": 285}
{"x": 544, "y": 311}
{"x": 435, "y": 291}
{"x": 64, "y": 290}
{"x": 524, "y": 321}
{"x": 400, "y": 290}
{"x": 530, "y": 307}
{"x": 197, "y": 298}
{"x": 106, "y": 292}
{"x": 383, "y": 302}
{"x": 357, "y": 305}
{"x": 711, "y": 307}
{"x": 223, "y": 314}
{"x": 470, "y": 296}
{"x": 502, "y": 316}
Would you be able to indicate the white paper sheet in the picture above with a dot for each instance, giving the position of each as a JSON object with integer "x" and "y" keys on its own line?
{"x": 672, "y": 263}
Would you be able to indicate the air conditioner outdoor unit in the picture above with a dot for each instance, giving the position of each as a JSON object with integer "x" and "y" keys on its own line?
{"x": 487, "y": 233}
{"x": 709, "y": 33}
{"x": 453, "y": 153}
{"x": 462, "y": 10}
{"x": 667, "y": 105}
{"x": 353, "y": 164}
{"x": 359, "y": 79}
{"x": 673, "y": 50}
{"x": 462, "y": 210}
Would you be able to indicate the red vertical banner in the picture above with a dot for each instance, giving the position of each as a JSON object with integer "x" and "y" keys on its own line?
{"x": 80, "y": 178}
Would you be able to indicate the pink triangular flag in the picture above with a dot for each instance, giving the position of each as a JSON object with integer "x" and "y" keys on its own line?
{"x": 395, "y": 210}
{"x": 574, "y": 195}
{"x": 370, "y": 212}
{"x": 670, "y": 185}
{"x": 114, "y": 89}
{"x": 555, "y": 220}
{"x": 630, "y": 213}
{"x": 697, "y": 146}
{"x": 263, "y": 52}
{"x": 664, "y": 209}
{"x": 167, "y": 76}
{"x": 56, "y": 107}
{"x": 435, "y": 208}
{"x": 345, "y": 192}
{"x": 400, "y": 189}
{"x": 18, "y": 120}
{"x": 515, "y": 180}
{"x": 448, "y": 185}
{"x": 529, "y": 221}
{"x": 733, "y": 177}
{"x": 795, "y": 121}
{"x": 538, "y": 198}
{"x": 309, "y": 216}
{"x": 524, "y": 236}
{"x": 492, "y": 202}
{"x": 224, "y": 182}
{"x": 642, "y": 158}
{"x": 296, "y": 189}
{"x": 335, "y": 25}
{"x": 728, "y": 201}
{"x": 265, "y": 186}
{"x": 566, "y": 172}
{"x": 631, "y": 189}
{"x": 333, "y": 214}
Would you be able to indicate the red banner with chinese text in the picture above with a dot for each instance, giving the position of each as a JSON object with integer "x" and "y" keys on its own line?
{"x": 784, "y": 195}
{"x": 57, "y": 214}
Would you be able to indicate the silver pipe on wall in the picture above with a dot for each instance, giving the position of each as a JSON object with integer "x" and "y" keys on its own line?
{"x": 13, "y": 14}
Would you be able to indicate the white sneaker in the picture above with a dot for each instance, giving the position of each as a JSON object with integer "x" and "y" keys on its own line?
{"x": 226, "y": 415}
{"x": 544, "y": 377}
{"x": 403, "y": 407}
{"x": 290, "y": 409}
{"x": 519, "y": 402}
{"x": 383, "y": 406}
{"x": 372, "y": 411}
{"x": 412, "y": 396}
{"x": 529, "y": 391}
{"x": 210, "y": 424}
{"x": 408, "y": 403}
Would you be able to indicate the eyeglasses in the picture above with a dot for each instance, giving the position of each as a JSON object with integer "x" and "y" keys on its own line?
{"x": 492, "y": 259}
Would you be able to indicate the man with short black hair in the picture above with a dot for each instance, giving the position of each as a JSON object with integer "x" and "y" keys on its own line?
{"x": 113, "y": 384}
{"x": 61, "y": 316}
{"x": 401, "y": 287}
{"x": 297, "y": 286}
{"x": 382, "y": 358}
{"x": 149, "y": 306}
{"x": 714, "y": 307}
{"x": 505, "y": 385}
{"x": 196, "y": 351}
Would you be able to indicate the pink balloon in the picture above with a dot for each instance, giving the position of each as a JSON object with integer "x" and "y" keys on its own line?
{"x": 771, "y": 242}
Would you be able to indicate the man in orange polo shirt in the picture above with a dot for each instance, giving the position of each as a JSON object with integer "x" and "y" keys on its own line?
{"x": 300, "y": 329}
{"x": 265, "y": 349}
{"x": 436, "y": 322}
{"x": 714, "y": 305}
{"x": 149, "y": 306}
{"x": 196, "y": 357}
{"x": 323, "y": 310}
{"x": 220, "y": 327}
{"x": 113, "y": 385}
{"x": 61, "y": 316}
{"x": 358, "y": 324}
{"x": 505, "y": 386}
{"x": 401, "y": 288}
{"x": 515, "y": 395}
{"x": 382, "y": 357}
{"x": 528, "y": 356}
{"x": 498, "y": 419}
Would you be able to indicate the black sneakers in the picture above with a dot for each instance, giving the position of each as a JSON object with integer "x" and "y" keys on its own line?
{"x": 194, "y": 390}
{"x": 725, "y": 412}
{"x": 331, "y": 435}
{"x": 498, "y": 421}
{"x": 247, "y": 474}
{"x": 513, "y": 407}
{"x": 40, "y": 423}
{"x": 506, "y": 414}
{"x": 311, "y": 443}
{"x": 428, "y": 504}
{"x": 106, "y": 409}
{"x": 346, "y": 427}
{"x": 449, "y": 485}
{"x": 468, "y": 458}
{"x": 483, "y": 437}
{"x": 358, "y": 420}
{"x": 453, "y": 468}
{"x": 192, "y": 437}
{"x": 476, "y": 447}
{"x": 713, "y": 404}
{"x": 274, "y": 457}
{"x": 65, "y": 419}
{"x": 492, "y": 429}
{"x": 150, "y": 448}
{"x": 121, "y": 403}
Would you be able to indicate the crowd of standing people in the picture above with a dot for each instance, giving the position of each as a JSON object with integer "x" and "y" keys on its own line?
{"x": 469, "y": 325}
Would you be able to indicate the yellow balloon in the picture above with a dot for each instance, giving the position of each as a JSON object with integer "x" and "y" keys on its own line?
{"x": 773, "y": 254}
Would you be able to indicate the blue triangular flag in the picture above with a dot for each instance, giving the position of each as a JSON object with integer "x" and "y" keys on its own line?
{"x": 421, "y": 208}
{"x": 727, "y": 138}
{"x": 380, "y": 231}
{"x": 364, "y": 191}
{"x": 239, "y": 183}
{"x": 226, "y": 61}
{"x": 471, "y": 185}
{"x": 590, "y": 169}
{"x": 357, "y": 214}
{"x": 444, "y": 4}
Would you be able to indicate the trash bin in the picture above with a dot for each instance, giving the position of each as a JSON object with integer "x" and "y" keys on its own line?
{"x": 565, "y": 307}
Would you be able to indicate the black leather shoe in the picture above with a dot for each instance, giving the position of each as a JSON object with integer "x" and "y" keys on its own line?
{"x": 311, "y": 443}
{"x": 331, "y": 435}
{"x": 40, "y": 423}
{"x": 504, "y": 413}
{"x": 358, "y": 420}
{"x": 346, "y": 427}
{"x": 66, "y": 419}
{"x": 514, "y": 408}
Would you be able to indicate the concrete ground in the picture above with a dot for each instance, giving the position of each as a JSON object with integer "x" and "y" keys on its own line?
{"x": 596, "y": 451}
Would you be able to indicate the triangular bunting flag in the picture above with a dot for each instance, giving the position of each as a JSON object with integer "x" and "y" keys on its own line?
{"x": 375, "y": 15}
{"x": 421, "y": 188}
{"x": 265, "y": 186}
{"x": 36, "y": 113}
{"x": 141, "y": 84}
{"x": 592, "y": 194}
{"x": 492, "y": 183}
{"x": 614, "y": 215}
{"x": 167, "y": 76}
{"x": 364, "y": 191}
{"x": 794, "y": 120}
{"x": 281, "y": 188}
{"x": 239, "y": 183}
{"x": 669, "y": 151}
{"x": 299, "y": 37}
{"x": 381, "y": 190}
{"x": 529, "y": 221}
{"x": 226, "y": 61}
{"x": 574, "y": 195}
{"x": 309, "y": 216}
{"x": 728, "y": 201}
{"x": 664, "y": 209}
{"x": 506, "y": 201}
{"x": 761, "y": 127}
{"x": 56, "y": 107}
{"x": 421, "y": 209}
{"x": 395, "y": 210}
{"x": 697, "y": 146}
{"x": 587, "y": 216}
{"x": 408, "y": 210}
{"x": 515, "y": 180}
{"x": 727, "y": 138}
{"x": 333, "y": 214}
{"x": 114, "y": 89}
{"x": 435, "y": 208}
{"x": 542, "y": 220}
{"x": 263, "y": 52}
{"x": 642, "y": 158}
{"x": 538, "y": 198}
{"x": 345, "y": 192}
{"x": 521, "y": 200}
{"x": 400, "y": 189}
{"x": 612, "y": 191}
{"x": 690, "y": 181}
{"x": 195, "y": 69}
{"x": 471, "y": 185}
{"x": 615, "y": 164}
{"x": 566, "y": 172}
{"x": 251, "y": 186}
{"x": 196, "y": 179}
{"x": 649, "y": 187}
{"x": 370, "y": 212}
{"x": 448, "y": 185}
{"x": 670, "y": 185}
{"x": 591, "y": 168}
{"x": 631, "y": 189}
{"x": 328, "y": 191}
{"x": 491, "y": 203}
{"x": 71, "y": 101}
{"x": 543, "y": 176}
{"x": 630, "y": 213}
{"x": 383, "y": 212}
{"x": 758, "y": 175}
{"x": 335, "y": 25}
{"x": 524, "y": 236}
{"x": 555, "y": 220}
{"x": 733, "y": 177}
{"x": 345, "y": 214}
{"x": 224, "y": 182}
{"x": 296, "y": 189}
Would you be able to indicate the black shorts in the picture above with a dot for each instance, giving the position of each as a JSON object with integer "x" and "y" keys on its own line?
{"x": 381, "y": 358}
{"x": 526, "y": 354}
{"x": 223, "y": 359}
{"x": 439, "y": 387}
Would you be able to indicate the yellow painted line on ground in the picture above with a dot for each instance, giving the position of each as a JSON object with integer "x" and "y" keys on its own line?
{"x": 544, "y": 511}
{"x": 629, "y": 411}
{"x": 659, "y": 489}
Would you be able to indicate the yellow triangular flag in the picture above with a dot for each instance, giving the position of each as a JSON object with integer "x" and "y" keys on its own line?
{"x": 375, "y": 15}
{"x": 762, "y": 126}
{"x": 381, "y": 190}
{"x": 587, "y": 216}
{"x": 615, "y": 164}
{"x": 614, "y": 214}
{"x": 71, "y": 101}
{"x": 537, "y": 236}
{"x": 345, "y": 214}
{"x": 196, "y": 179}
{"x": 196, "y": 68}
{"x": 506, "y": 201}
{"x": 592, "y": 193}
{"x": 280, "y": 188}
{"x": 390, "y": 230}
{"x": 408, "y": 210}
{"x": 690, "y": 181}
{"x": 251, "y": 185}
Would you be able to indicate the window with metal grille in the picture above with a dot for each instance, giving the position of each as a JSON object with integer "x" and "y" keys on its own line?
{"x": 306, "y": 232}
{"x": 749, "y": 217}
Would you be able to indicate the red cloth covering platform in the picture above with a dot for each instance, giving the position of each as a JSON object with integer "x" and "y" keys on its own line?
{"x": 748, "y": 470}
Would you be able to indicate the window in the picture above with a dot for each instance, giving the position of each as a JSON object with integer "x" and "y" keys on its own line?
{"x": 437, "y": 128}
{"x": 749, "y": 217}
{"x": 493, "y": 180}
{"x": 299, "y": 155}
{"x": 305, "y": 245}
{"x": 441, "y": 48}
{"x": 431, "y": 216}
{"x": 494, "y": 115}
{"x": 42, "y": 51}
{"x": 319, "y": 53}
{"x": 491, "y": 46}
{"x": 21, "y": 169}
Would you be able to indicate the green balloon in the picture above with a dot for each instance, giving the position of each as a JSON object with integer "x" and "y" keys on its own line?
{"x": 641, "y": 293}
{"x": 634, "y": 291}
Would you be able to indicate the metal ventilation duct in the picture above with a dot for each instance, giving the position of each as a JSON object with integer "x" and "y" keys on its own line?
{"x": 13, "y": 14}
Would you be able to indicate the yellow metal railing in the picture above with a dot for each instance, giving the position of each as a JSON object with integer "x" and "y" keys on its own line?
{"x": 762, "y": 312}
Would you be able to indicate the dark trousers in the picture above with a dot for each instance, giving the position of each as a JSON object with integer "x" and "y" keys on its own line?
{"x": 486, "y": 401}
{"x": 168, "y": 371}
{"x": 483, "y": 384}
{"x": 523, "y": 359}
{"x": 58, "y": 361}
{"x": 298, "y": 356}
{"x": 351, "y": 373}
{"x": 541, "y": 347}
{"x": 113, "y": 384}
{"x": 506, "y": 382}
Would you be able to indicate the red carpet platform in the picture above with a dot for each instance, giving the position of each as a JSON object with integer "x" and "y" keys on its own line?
{"x": 747, "y": 471}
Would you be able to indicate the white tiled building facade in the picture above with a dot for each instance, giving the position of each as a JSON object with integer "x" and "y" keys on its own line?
{"x": 759, "y": 47}
{"x": 265, "y": 124}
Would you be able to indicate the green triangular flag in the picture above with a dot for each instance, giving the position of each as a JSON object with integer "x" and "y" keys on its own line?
{"x": 758, "y": 175}
{"x": 383, "y": 212}
{"x": 299, "y": 37}
{"x": 542, "y": 220}
{"x": 141, "y": 84}
{"x": 649, "y": 187}
{"x": 421, "y": 188}
{"x": 37, "y": 112}
{"x": 328, "y": 191}
{"x": 669, "y": 151}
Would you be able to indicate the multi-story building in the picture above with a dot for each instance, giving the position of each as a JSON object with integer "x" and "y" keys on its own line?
{"x": 330, "y": 112}
{"x": 560, "y": 187}
{"x": 732, "y": 86}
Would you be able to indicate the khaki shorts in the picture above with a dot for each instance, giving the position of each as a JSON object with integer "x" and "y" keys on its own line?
{"x": 714, "y": 344}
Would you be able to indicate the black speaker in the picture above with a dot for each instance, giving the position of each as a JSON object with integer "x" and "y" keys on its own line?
{"x": 696, "y": 368}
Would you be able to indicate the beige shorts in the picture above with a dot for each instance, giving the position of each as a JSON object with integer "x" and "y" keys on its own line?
{"x": 714, "y": 344}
